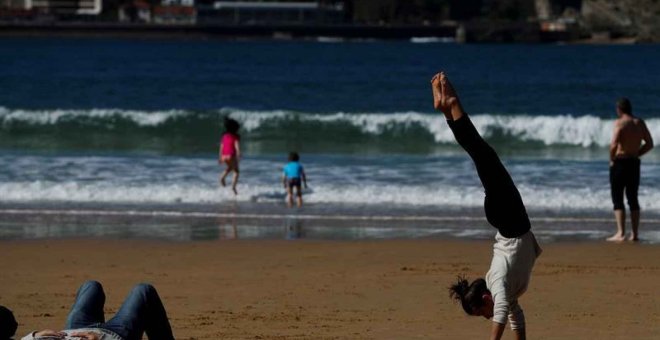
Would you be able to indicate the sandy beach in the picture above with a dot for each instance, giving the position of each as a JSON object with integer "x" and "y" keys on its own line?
{"x": 393, "y": 289}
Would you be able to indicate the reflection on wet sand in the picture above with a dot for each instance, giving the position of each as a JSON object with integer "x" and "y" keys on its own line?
{"x": 231, "y": 223}
{"x": 293, "y": 228}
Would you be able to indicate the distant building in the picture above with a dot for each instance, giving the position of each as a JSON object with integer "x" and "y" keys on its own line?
{"x": 138, "y": 11}
{"x": 189, "y": 3}
{"x": 29, "y": 9}
{"x": 174, "y": 14}
{"x": 15, "y": 4}
{"x": 170, "y": 12}
{"x": 558, "y": 15}
{"x": 253, "y": 12}
{"x": 15, "y": 10}
{"x": 66, "y": 7}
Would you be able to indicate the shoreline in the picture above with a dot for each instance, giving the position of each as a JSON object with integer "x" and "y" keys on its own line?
{"x": 334, "y": 290}
{"x": 254, "y": 221}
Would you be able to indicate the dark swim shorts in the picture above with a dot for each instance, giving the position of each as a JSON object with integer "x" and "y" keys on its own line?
{"x": 294, "y": 182}
{"x": 624, "y": 177}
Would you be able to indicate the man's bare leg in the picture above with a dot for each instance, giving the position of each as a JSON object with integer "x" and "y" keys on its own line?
{"x": 634, "y": 221}
{"x": 620, "y": 217}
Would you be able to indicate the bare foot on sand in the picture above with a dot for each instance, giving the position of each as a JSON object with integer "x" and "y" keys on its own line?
{"x": 616, "y": 238}
{"x": 633, "y": 238}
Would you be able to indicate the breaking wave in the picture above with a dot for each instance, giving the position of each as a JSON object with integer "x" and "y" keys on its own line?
{"x": 564, "y": 130}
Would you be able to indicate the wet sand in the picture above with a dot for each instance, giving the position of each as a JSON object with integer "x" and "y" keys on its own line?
{"x": 394, "y": 289}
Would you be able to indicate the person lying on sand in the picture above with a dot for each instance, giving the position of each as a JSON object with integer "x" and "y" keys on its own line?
{"x": 141, "y": 312}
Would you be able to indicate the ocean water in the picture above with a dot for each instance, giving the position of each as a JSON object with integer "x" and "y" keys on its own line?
{"x": 129, "y": 125}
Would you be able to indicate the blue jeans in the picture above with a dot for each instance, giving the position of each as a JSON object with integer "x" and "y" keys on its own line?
{"x": 141, "y": 312}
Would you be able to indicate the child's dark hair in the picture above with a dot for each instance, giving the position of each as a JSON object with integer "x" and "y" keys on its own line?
{"x": 469, "y": 294}
{"x": 293, "y": 156}
{"x": 231, "y": 125}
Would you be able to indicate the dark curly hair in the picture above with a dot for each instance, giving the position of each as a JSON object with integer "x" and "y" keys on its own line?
{"x": 470, "y": 295}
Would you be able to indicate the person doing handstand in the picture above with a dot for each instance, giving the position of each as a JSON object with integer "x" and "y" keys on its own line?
{"x": 516, "y": 249}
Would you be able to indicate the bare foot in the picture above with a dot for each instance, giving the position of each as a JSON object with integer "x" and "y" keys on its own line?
{"x": 234, "y": 190}
{"x": 616, "y": 238}
{"x": 437, "y": 91}
{"x": 450, "y": 97}
{"x": 445, "y": 97}
{"x": 222, "y": 182}
{"x": 633, "y": 238}
{"x": 439, "y": 98}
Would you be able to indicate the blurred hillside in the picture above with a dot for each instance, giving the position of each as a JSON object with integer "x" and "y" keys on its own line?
{"x": 600, "y": 19}
{"x": 639, "y": 19}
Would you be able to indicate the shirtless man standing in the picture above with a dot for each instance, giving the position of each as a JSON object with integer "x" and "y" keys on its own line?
{"x": 625, "y": 150}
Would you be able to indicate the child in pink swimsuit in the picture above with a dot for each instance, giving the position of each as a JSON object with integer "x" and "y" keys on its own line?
{"x": 230, "y": 151}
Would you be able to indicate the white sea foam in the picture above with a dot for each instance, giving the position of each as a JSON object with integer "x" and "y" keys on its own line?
{"x": 583, "y": 131}
{"x": 52, "y": 117}
{"x": 330, "y": 39}
{"x": 372, "y": 194}
{"x": 429, "y": 40}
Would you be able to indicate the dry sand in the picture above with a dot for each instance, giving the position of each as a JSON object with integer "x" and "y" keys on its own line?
{"x": 335, "y": 290}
